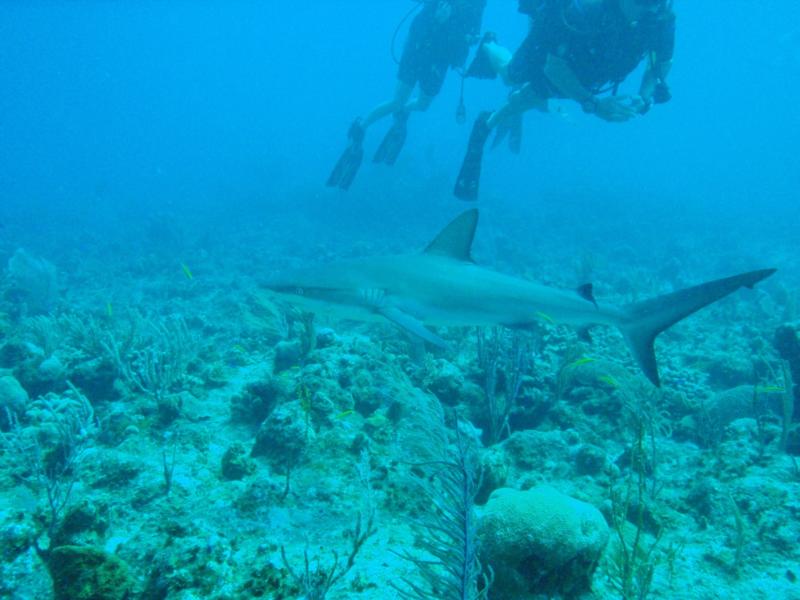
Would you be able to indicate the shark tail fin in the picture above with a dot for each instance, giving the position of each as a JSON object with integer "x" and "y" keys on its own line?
{"x": 643, "y": 321}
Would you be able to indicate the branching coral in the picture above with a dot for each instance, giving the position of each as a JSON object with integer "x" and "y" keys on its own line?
{"x": 154, "y": 356}
{"x": 48, "y": 447}
{"x": 316, "y": 579}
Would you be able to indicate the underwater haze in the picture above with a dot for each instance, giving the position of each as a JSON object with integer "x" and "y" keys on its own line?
{"x": 211, "y": 388}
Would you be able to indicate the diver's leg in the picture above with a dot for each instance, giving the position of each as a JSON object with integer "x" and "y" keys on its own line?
{"x": 420, "y": 104}
{"x": 346, "y": 168}
{"x": 508, "y": 120}
{"x": 469, "y": 176}
{"x": 430, "y": 77}
{"x": 402, "y": 93}
{"x": 394, "y": 140}
{"x": 520, "y": 101}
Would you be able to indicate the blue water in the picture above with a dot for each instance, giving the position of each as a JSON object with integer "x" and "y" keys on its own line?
{"x": 142, "y": 140}
{"x": 187, "y": 106}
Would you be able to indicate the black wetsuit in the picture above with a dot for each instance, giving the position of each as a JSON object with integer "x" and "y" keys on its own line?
{"x": 432, "y": 47}
{"x": 596, "y": 40}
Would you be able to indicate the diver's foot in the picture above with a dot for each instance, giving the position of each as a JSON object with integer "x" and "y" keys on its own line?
{"x": 481, "y": 65}
{"x": 346, "y": 168}
{"x": 356, "y": 131}
{"x": 393, "y": 141}
{"x": 468, "y": 181}
{"x": 511, "y": 129}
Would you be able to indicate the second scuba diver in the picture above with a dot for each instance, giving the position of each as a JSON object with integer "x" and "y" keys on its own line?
{"x": 439, "y": 38}
{"x": 576, "y": 49}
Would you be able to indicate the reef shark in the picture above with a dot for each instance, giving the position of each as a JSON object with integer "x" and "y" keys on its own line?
{"x": 442, "y": 286}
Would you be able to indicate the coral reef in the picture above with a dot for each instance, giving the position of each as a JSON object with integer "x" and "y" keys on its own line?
{"x": 171, "y": 434}
{"x": 540, "y": 541}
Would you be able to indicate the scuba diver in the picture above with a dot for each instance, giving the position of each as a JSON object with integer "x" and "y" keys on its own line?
{"x": 578, "y": 50}
{"x": 439, "y": 38}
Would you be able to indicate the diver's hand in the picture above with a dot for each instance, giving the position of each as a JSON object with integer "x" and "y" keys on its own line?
{"x": 618, "y": 109}
{"x": 643, "y": 103}
{"x": 637, "y": 104}
{"x": 444, "y": 11}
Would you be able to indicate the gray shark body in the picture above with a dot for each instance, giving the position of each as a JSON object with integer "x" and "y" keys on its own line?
{"x": 442, "y": 286}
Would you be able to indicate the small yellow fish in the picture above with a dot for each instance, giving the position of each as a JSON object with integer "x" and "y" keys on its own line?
{"x": 109, "y": 310}
{"x": 239, "y": 348}
{"x": 344, "y": 414}
{"x": 545, "y": 317}
{"x": 608, "y": 379}
{"x": 187, "y": 272}
{"x": 581, "y": 361}
{"x": 770, "y": 389}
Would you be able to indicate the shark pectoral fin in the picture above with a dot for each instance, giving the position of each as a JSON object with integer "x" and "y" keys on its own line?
{"x": 412, "y": 325}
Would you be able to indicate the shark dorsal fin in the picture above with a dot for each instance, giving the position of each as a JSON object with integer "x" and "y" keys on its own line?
{"x": 455, "y": 240}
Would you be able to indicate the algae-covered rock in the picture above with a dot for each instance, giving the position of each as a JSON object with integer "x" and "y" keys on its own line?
{"x": 540, "y": 541}
{"x": 531, "y": 406}
{"x": 284, "y": 435}
{"x": 113, "y": 470}
{"x": 269, "y": 581}
{"x": 585, "y": 372}
{"x": 741, "y": 447}
{"x": 288, "y": 354}
{"x": 378, "y": 428}
{"x": 236, "y": 463}
{"x": 446, "y": 382}
{"x": 13, "y": 399}
{"x": 168, "y": 408}
{"x": 83, "y": 523}
{"x": 590, "y": 459}
{"x": 84, "y": 573}
{"x": 728, "y": 369}
{"x": 256, "y": 401}
{"x": 16, "y": 536}
{"x": 494, "y": 472}
{"x": 51, "y": 369}
{"x": 537, "y": 450}
{"x": 34, "y": 282}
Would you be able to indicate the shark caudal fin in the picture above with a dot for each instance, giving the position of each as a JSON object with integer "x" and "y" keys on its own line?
{"x": 643, "y": 321}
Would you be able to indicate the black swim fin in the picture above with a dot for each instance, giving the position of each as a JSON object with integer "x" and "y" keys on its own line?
{"x": 470, "y": 175}
{"x": 349, "y": 162}
{"x": 510, "y": 128}
{"x": 393, "y": 141}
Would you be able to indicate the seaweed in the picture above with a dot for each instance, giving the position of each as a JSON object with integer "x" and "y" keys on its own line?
{"x": 317, "y": 580}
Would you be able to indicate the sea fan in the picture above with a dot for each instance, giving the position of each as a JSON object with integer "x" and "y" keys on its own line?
{"x": 448, "y": 531}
